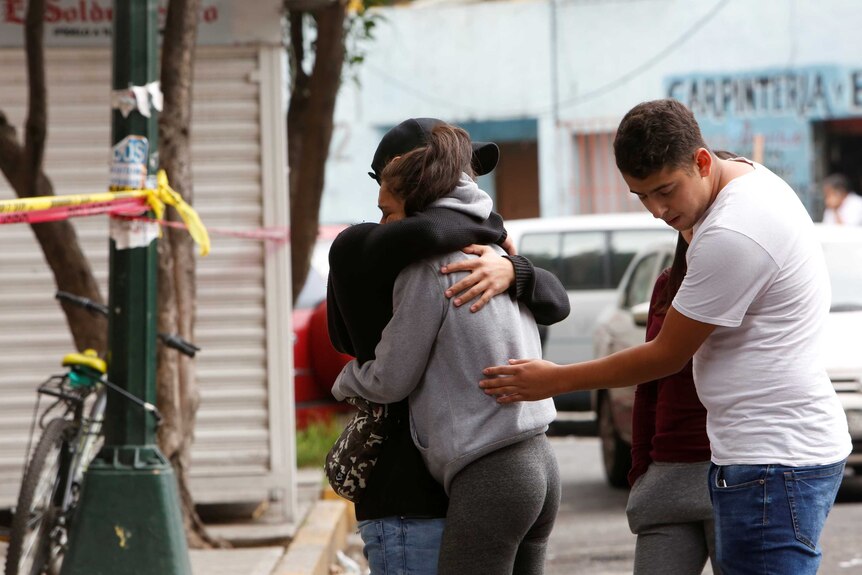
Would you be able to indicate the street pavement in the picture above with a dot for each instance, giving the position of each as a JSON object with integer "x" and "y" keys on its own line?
{"x": 592, "y": 537}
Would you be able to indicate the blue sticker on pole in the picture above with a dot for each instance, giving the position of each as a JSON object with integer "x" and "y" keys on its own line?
{"x": 129, "y": 163}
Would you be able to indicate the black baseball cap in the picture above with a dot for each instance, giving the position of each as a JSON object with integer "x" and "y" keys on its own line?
{"x": 413, "y": 133}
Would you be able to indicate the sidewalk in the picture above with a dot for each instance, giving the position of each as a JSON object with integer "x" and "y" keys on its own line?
{"x": 268, "y": 545}
{"x": 279, "y": 547}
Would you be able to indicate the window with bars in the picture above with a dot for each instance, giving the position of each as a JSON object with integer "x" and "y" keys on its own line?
{"x": 596, "y": 184}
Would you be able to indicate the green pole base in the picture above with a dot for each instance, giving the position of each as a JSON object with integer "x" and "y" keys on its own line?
{"x": 128, "y": 519}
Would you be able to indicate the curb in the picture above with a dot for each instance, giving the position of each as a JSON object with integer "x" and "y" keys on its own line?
{"x": 323, "y": 532}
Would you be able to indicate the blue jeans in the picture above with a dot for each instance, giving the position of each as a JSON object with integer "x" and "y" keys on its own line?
{"x": 402, "y": 545}
{"x": 768, "y": 518}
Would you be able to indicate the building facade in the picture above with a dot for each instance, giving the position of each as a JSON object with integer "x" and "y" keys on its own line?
{"x": 779, "y": 81}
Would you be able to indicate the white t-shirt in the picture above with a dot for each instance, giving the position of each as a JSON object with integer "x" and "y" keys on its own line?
{"x": 757, "y": 272}
{"x": 850, "y": 211}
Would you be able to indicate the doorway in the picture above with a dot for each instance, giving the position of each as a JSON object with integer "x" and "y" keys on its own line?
{"x": 514, "y": 184}
{"x": 517, "y": 181}
{"x": 838, "y": 149}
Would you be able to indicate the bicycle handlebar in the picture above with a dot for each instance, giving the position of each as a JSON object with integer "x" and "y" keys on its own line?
{"x": 176, "y": 342}
{"x": 173, "y": 341}
{"x": 83, "y": 302}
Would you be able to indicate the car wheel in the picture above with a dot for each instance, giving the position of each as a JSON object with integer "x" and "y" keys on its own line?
{"x": 616, "y": 453}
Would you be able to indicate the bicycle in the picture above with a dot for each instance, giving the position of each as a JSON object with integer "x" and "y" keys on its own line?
{"x": 52, "y": 480}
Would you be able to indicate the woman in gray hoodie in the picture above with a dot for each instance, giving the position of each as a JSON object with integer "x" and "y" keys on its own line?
{"x": 493, "y": 460}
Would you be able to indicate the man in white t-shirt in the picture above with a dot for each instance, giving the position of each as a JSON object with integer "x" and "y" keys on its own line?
{"x": 843, "y": 206}
{"x": 751, "y": 312}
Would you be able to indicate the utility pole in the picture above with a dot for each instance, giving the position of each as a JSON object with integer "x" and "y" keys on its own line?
{"x": 128, "y": 519}
{"x": 560, "y": 188}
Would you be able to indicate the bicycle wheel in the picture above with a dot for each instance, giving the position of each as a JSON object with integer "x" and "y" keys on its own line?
{"x": 34, "y": 548}
{"x": 89, "y": 442}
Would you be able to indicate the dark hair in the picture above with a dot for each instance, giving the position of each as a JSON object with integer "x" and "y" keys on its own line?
{"x": 656, "y": 135}
{"x": 429, "y": 172}
{"x": 838, "y": 182}
{"x": 675, "y": 276}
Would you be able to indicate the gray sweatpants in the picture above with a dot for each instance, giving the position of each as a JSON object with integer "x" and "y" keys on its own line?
{"x": 670, "y": 511}
{"x": 502, "y": 508}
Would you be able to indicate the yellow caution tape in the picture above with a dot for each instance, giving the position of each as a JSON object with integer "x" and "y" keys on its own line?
{"x": 155, "y": 199}
{"x": 164, "y": 194}
{"x": 48, "y": 202}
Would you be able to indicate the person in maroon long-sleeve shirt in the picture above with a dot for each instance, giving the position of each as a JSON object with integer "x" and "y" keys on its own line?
{"x": 669, "y": 507}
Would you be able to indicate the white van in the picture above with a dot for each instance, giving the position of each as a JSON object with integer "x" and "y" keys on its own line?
{"x": 589, "y": 254}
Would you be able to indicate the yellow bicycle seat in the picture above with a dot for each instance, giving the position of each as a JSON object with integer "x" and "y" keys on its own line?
{"x": 88, "y": 357}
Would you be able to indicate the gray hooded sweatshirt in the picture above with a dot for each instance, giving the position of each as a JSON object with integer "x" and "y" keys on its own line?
{"x": 434, "y": 353}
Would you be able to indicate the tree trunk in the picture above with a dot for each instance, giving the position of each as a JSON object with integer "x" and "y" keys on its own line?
{"x": 309, "y": 127}
{"x": 22, "y": 167}
{"x": 177, "y": 390}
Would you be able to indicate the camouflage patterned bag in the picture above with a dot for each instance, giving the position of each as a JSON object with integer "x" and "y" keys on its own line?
{"x": 351, "y": 459}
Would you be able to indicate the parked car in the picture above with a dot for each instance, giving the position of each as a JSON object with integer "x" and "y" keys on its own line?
{"x": 624, "y": 325}
{"x": 316, "y": 363}
{"x": 589, "y": 254}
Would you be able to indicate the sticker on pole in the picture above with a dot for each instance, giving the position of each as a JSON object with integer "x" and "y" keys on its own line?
{"x": 129, "y": 163}
{"x": 130, "y": 234}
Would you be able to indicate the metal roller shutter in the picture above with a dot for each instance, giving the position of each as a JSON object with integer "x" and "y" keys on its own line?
{"x": 246, "y": 402}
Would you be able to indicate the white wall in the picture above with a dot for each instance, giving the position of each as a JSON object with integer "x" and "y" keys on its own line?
{"x": 492, "y": 61}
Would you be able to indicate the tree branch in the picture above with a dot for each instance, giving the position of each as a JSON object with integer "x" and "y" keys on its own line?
{"x": 310, "y": 133}
{"x": 177, "y": 387}
{"x": 22, "y": 167}
{"x": 34, "y": 137}
{"x": 298, "y": 102}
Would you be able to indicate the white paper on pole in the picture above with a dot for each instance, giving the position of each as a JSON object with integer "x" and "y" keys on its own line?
{"x": 129, "y": 234}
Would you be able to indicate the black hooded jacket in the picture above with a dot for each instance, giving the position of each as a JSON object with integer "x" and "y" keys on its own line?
{"x": 365, "y": 259}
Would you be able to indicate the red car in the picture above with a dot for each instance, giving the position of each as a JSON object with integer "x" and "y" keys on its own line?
{"x": 316, "y": 363}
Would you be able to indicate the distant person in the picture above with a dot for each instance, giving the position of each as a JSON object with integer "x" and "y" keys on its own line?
{"x": 843, "y": 206}
{"x": 402, "y": 512}
{"x": 669, "y": 508}
{"x": 751, "y": 311}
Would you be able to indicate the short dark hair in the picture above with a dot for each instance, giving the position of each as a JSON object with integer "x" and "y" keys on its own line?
{"x": 838, "y": 182}
{"x": 656, "y": 135}
{"x": 430, "y": 171}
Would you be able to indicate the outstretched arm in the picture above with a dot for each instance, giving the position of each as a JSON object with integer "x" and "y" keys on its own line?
{"x": 726, "y": 272}
{"x": 531, "y": 380}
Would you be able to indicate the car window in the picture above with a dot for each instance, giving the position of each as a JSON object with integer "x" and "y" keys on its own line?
{"x": 543, "y": 250}
{"x": 583, "y": 261}
{"x": 844, "y": 261}
{"x": 639, "y": 288}
{"x": 626, "y": 243}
